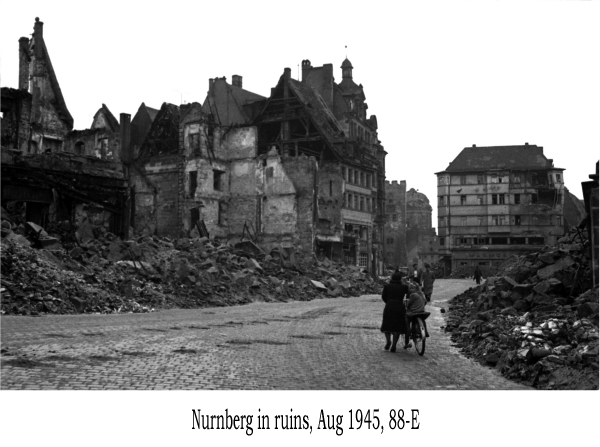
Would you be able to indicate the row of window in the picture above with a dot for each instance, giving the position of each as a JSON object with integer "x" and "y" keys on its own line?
{"x": 354, "y": 176}
{"x": 498, "y": 220}
{"x": 498, "y": 199}
{"x": 477, "y": 240}
{"x": 498, "y": 241}
{"x": 358, "y": 202}
{"x": 480, "y": 179}
{"x": 357, "y": 131}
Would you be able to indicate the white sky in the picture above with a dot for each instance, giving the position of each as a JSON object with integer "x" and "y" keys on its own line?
{"x": 438, "y": 76}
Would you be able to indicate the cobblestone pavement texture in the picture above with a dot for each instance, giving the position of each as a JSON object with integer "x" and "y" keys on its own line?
{"x": 325, "y": 344}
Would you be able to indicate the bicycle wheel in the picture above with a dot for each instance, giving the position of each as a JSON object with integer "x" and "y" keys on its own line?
{"x": 419, "y": 336}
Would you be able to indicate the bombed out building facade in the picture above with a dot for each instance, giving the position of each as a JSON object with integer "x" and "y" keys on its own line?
{"x": 300, "y": 171}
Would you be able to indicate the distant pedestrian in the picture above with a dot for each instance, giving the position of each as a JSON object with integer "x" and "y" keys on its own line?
{"x": 477, "y": 275}
{"x": 428, "y": 278}
{"x": 416, "y": 274}
{"x": 394, "y": 313}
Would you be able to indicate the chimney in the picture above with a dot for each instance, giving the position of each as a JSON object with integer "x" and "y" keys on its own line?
{"x": 24, "y": 60}
{"x": 211, "y": 83}
{"x": 236, "y": 81}
{"x": 287, "y": 72}
{"x": 474, "y": 146}
{"x": 526, "y": 144}
{"x": 306, "y": 67}
{"x": 38, "y": 36}
{"x": 126, "y": 153}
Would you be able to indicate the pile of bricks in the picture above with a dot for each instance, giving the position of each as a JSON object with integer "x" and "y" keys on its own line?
{"x": 108, "y": 275}
{"x": 538, "y": 322}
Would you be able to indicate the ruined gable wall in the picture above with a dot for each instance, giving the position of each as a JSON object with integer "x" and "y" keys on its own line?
{"x": 45, "y": 105}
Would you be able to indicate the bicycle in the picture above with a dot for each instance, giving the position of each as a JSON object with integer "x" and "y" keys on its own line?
{"x": 416, "y": 329}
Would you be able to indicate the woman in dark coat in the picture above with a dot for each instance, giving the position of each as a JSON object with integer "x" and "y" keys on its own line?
{"x": 394, "y": 313}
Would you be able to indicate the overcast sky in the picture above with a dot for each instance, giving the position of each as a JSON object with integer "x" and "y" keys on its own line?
{"x": 438, "y": 76}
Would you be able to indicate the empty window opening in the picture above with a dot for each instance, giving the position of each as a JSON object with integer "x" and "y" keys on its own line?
{"x": 80, "y": 148}
{"x": 194, "y": 217}
{"x": 193, "y": 183}
{"x": 517, "y": 199}
{"x": 517, "y": 220}
{"x": 218, "y": 177}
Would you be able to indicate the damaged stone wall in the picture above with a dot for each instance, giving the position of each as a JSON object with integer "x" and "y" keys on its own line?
{"x": 303, "y": 171}
{"x": 155, "y": 196}
{"x": 16, "y": 118}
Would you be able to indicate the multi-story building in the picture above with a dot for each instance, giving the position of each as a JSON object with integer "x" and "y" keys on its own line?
{"x": 319, "y": 118}
{"x": 395, "y": 224}
{"x": 421, "y": 239}
{"x": 497, "y": 201}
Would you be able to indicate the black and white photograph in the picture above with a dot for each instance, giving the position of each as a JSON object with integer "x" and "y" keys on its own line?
{"x": 295, "y": 222}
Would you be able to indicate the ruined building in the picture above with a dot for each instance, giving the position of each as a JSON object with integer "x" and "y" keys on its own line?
{"x": 299, "y": 171}
{"x": 494, "y": 202}
{"x": 51, "y": 173}
{"x": 35, "y": 116}
{"x": 396, "y": 254}
{"x": 409, "y": 235}
{"x": 325, "y": 120}
{"x": 421, "y": 239}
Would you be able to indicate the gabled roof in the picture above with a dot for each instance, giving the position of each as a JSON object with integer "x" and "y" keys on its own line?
{"x": 525, "y": 157}
{"x": 110, "y": 119}
{"x": 226, "y": 103}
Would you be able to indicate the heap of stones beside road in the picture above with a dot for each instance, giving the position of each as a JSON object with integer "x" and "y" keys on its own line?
{"x": 537, "y": 322}
{"x": 103, "y": 274}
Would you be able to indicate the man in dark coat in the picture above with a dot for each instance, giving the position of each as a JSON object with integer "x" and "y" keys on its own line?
{"x": 394, "y": 313}
{"x": 477, "y": 275}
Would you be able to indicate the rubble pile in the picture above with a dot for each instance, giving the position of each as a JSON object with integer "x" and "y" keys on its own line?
{"x": 537, "y": 322}
{"x": 108, "y": 275}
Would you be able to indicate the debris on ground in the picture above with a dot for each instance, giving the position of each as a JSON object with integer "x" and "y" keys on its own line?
{"x": 537, "y": 320}
{"x": 100, "y": 273}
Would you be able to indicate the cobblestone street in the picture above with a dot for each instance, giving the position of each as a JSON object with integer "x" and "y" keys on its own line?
{"x": 324, "y": 344}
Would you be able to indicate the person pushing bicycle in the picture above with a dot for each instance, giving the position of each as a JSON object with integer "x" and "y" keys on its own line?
{"x": 415, "y": 305}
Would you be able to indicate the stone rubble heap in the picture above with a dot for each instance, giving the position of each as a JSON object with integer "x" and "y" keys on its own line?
{"x": 107, "y": 275}
{"x": 537, "y": 322}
